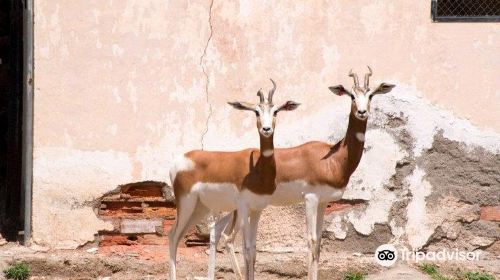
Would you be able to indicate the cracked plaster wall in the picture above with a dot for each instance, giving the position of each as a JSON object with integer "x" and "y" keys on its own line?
{"x": 121, "y": 87}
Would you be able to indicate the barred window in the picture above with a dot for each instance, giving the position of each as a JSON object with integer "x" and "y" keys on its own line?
{"x": 466, "y": 10}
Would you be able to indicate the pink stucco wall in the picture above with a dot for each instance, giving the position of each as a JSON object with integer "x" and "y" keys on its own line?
{"x": 121, "y": 87}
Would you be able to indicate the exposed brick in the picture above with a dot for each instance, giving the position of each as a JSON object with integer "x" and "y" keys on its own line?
{"x": 490, "y": 213}
{"x": 137, "y": 209}
{"x": 118, "y": 208}
{"x": 115, "y": 222}
{"x": 129, "y": 226}
{"x": 162, "y": 211}
{"x": 152, "y": 239}
{"x": 144, "y": 189}
{"x": 167, "y": 225}
{"x": 340, "y": 206}
{"x": 142, "y": 217}
{"x": 111, "y": 240}
{"x": 194, "y": 238}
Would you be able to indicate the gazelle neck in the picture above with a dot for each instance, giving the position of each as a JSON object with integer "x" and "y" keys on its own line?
{"x": 267, "y": 146}
{"x": 266, "y": 164}
{"x": 352, "y": 145}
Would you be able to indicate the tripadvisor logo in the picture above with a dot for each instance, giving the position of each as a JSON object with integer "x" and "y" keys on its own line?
{"x": 387, "y": 255}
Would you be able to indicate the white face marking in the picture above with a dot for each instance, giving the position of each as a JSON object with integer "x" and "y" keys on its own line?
{"x": 268, "y": 153}
{"x": 182, "y": 163}
{"x": 360, "y": 136}
{"x": 266, "y": 116}
{"x": 361, "y": 101}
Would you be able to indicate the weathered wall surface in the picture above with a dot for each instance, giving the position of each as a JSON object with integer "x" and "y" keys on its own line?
{"x": 119, "y": 91}
{"x": 124, "y": 86}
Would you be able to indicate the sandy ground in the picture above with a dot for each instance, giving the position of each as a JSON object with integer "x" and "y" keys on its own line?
{"x": 83, "y": 265}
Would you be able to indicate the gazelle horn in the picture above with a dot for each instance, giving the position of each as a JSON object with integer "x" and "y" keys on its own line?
{"x": 261, "y": 96}
{"x": 354, "y": 77}
{"x": 271, "y": 92}
{"x": 367, "y": 77}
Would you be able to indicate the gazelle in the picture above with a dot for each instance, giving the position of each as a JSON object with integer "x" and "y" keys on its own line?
{"x": 206, "y": 181}
{"x": 318, "y": 172}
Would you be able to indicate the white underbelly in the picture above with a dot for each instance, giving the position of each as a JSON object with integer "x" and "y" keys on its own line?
{"x": 220, "y": 197}
{"x": 255, "y": 201}
{"x": 217, "y": 196}
{"x": 293, "y": 193}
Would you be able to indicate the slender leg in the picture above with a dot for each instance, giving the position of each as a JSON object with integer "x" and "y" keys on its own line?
{"x": 312, "y": 205}
{"x": 189, "y": 213}
{"x": 319, "y": 230}
{"x": 215, "y": 234}
{"x": 211, "y": 256}
{"x": 184, "y": 212}
{"x": 243, "y": 223}
{"x": 254, "y": 222}
{"x": 230, "y": 235}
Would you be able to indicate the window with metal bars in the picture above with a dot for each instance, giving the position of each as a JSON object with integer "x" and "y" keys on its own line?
{"x": 466, "y": 10}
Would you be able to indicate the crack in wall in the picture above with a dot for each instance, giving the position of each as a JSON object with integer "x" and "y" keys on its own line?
{"x": 202, "y": 58}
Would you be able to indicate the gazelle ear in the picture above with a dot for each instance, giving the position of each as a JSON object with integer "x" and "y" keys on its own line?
{"x": 288, "y": 106}
{"x": 242, "y": 106}
{"x": 383, "y": 88}
{"x": 339, "y": 90}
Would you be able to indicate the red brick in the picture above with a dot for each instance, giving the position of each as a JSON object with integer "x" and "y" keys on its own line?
{"x": 490, "y": 213}
{"x": 167, "y": 225}
{"x": 339, "y": 206}
{"x": 159, "y": 211}
{"x": 111, "y": 240}
{"x": 137, "y": 209}
{"x": 152, "y": 239}
{"x": 143, "y": 189}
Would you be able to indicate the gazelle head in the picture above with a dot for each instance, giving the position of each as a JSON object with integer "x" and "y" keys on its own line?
{"x": 265, "y": 110}
{"x": 361, "y": 96}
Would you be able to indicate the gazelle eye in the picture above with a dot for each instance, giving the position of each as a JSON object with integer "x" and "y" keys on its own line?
{"x": 257, "y": 113}
{"x": 275, "y": 113}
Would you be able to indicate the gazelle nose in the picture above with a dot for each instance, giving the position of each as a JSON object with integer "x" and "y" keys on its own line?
{"x": 266, "y": 128}
{"x": 361, "y": 112}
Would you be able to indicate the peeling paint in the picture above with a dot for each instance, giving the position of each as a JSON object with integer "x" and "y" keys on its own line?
{"x": 424, "y": 120}
{"x": 338, "y": 227}
{"x": 123, "y": 89}
{"x": 59, "y": 209}
{"x": 417, "y": 228}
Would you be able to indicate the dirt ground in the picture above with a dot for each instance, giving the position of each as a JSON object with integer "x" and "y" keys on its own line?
{"x": 87, "y": 263}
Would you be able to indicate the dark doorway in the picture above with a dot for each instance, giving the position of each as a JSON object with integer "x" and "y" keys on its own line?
{"x": 11, "y": 98}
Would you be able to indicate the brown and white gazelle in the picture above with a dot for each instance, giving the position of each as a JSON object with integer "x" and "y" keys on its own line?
{"x": 318, "y": 172}
{"x": 205, "y": 181}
